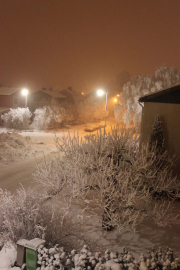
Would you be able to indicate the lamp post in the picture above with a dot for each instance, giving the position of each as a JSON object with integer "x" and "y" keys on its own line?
{"x": 25, "y": 93}
{"x": 100, "y": 92}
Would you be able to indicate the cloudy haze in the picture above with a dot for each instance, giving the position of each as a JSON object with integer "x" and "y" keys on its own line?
{"x": 85, "y": 43}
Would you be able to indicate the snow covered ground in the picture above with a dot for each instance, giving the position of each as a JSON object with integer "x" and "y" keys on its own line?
{"x": 8, "y": 257}
{"x": 19, "y": 168}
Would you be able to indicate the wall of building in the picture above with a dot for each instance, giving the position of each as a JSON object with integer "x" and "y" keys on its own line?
{"x": 69, "y": 96}
{"x": 39, "y": 99}
{"x": 12, "y": 101}
{"x": 6, "y": 101}
{"x": 170, "y": 116}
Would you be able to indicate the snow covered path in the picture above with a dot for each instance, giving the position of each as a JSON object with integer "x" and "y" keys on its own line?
{"x": 11, "y": 176}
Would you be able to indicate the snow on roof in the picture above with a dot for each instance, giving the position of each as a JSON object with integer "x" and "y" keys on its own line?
{"x": 7, "y": 91}
{"x": 72, "y": 92}
{"x": 54, "y": 94}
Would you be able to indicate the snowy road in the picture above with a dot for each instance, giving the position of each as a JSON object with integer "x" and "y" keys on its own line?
{"x": 11, "y": 176}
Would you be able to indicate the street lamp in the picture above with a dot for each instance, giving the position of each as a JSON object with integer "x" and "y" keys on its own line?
{"x": 25, "y": 92}
{"x": 100, "y": 92}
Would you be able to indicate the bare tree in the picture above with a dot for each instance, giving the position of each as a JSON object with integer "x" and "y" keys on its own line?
{"x": 111, "y": 175}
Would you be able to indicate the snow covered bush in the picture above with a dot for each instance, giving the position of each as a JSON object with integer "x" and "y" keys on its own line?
{"x": 14, "y": 147}
{"x": 51, "y": 117}
{"x": 17, "y": 118}
{"x": 56, "y": 258}
{"x": 112, "y": 176}
{"x": 18, "y": 215}
{"x": 26, "y": 214}
{"x": 140, "y": 85}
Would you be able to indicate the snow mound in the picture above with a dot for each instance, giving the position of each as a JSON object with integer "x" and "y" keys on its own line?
{"x": 13, "y": 146}
{"x": 8, "y": 256}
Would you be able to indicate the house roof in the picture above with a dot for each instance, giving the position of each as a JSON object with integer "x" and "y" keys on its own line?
{"x": 52, "y": 93}
{"x": 75, "y": 95}
{"x": 161, "y": 95}
{"x": 7, "y": 91}
{"x": 72, "y": 92}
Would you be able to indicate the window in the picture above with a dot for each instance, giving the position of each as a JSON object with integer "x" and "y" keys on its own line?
{"x": 15, "y": 102}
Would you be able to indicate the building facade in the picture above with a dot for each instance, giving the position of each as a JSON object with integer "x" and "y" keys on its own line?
{"x": 166, "y": 104}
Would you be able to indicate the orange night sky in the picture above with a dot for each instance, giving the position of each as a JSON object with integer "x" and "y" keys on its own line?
{"x": 85, "y": 43}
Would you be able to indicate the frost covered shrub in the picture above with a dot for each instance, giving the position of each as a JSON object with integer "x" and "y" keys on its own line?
{"x": 110, "y": 174}
{"x": 17, "y": 118}
{"x": 14, "y": 146}
{"x": 51, "y": 117}
{"x": 56, "y": 258}
{"x": 26, "y": 214}
{"x": 18, "y": 214}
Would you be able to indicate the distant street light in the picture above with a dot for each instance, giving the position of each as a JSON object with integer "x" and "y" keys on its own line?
{"x": 100, "y": 92}
{"x": 118, "y": 98}
{"x": 25, "y": 93}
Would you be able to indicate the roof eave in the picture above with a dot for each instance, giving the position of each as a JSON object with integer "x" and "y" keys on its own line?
{"x": 162, "y": 92}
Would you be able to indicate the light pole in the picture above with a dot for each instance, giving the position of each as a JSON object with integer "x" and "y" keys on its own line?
{"x": 25, "y": 93}
{"x": 100, "y": 92}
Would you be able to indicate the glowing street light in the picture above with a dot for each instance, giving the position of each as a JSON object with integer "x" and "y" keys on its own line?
{"x": 100, "y": 93}
{"x": 25, "y": 93}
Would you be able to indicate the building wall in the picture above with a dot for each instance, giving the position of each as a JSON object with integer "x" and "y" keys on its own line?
{"x": 6, "y": 101}
{"x": 12, "y": 101}
{"x": 170, "y": 116}
{"x": 69, "y": 96}
{"x": 39, "y": 99}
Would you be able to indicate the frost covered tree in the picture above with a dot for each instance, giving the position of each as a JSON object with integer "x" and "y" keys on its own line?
{"x": 140, "y": 85}
{"x": 111, "y": 176}
{"x": 17, "y": 118}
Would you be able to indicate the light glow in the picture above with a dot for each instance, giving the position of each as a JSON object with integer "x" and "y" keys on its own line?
{"x": 24, "y": 92}
{"x": 100, "y": 92}
{"x": 115, "y": 100}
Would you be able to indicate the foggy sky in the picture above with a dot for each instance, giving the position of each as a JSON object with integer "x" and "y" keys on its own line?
{"x": 85, "y": 43}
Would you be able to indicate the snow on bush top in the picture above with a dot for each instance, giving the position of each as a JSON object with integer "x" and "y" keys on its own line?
{"x": 17, "y": 118}
{"x": 13, "y": 146}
